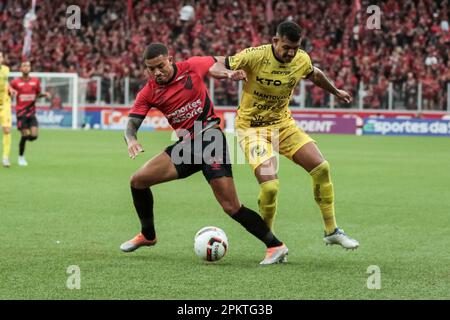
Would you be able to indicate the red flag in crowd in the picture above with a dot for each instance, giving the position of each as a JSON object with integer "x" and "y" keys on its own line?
{"x": 269, "y": 11}
{"x": 28, "y": 20}
{"x": 130, "y": 10}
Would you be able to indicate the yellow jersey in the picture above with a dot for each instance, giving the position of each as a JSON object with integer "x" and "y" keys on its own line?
{"x": 4, "y": 96}
{"x": 267, "y": 92}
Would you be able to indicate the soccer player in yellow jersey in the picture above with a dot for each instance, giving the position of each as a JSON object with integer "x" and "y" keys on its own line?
{"x": 5, "y": 112}
{"x": 264, "y": 123}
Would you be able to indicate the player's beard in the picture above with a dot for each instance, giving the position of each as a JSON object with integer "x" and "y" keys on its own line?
{"x": 162, "y": 79}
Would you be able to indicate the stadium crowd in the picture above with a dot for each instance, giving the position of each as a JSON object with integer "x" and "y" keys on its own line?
{"x": 411, "y": 46}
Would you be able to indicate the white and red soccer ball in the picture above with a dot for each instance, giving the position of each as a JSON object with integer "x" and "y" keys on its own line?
{"x": 210, "y": 243}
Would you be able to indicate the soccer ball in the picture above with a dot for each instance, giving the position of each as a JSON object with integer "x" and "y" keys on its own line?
{"x": 210, "y": 243}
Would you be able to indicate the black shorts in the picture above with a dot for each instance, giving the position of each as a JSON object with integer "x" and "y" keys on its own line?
{"x": 26, "y": 122}
{"x": 208, "y": 153}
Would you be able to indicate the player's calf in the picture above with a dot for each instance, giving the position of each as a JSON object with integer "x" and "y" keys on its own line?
{"x": 267, "y": 201}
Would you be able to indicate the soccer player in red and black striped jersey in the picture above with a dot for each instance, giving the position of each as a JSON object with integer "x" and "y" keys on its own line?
{"x": 179, "y": 92}
{"x": 28, "y": 90}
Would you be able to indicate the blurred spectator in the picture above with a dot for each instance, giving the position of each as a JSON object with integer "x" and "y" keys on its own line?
{"x": 411, "y": 92}
{"x": 56, "y": 102}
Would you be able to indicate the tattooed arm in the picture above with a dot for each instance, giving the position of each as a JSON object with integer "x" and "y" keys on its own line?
{"x": 134, "y": 147}
{"x": 322, "y": 81}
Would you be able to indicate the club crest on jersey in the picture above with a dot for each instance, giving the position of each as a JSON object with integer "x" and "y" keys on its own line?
{"x": 188, "y": 83}
{"x": 258, "y": 151}
{"x": 291, "y": 82}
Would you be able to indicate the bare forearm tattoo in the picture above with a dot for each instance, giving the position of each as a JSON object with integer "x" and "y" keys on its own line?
{"x": 132, "y": 128}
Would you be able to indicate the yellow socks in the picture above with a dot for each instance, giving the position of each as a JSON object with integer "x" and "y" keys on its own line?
{"x": 324, "y": 195}
{"x": 267, "y": 201}
{"x": 6, "y": 145}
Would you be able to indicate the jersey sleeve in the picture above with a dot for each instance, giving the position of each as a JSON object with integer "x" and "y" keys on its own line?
{"x": 247, "y": 59}
{"x": 201, "y": 65}
{"x": 307, "y": 66}
{"x": 13, "y": 85}
{"x": 38, "y": 87}
{"x": 6, "y": 73}
{"x": 141, "y": 105}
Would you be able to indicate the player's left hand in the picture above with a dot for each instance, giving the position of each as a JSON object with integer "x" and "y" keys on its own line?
{"x": 47, "y": 95}
{"x": 344, "y": 96}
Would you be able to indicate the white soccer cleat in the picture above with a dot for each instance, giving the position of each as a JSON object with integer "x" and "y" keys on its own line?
{"x": 6, "y": 163}
{"x": 275, "y": 255}
{"x": 22, "y": 161}
{"x": 339, "y": 237}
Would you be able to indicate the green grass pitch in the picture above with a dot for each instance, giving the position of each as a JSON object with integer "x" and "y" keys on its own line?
{"x": 72, "y": 206}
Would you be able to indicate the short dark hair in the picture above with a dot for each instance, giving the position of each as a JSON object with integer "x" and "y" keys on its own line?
{"x": 290, "y": 30}
{"x": 154, "y": 50}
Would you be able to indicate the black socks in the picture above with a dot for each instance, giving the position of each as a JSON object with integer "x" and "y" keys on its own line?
{"x": 249, "y": 219}
{"x": 22, "y": 142}
{"x": 254, "y": 224}
{"x": 143, "y": 202}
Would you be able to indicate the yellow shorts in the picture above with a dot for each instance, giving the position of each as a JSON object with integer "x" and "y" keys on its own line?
{"x": 260, "y": 144}
{"x": 5, "y": 116}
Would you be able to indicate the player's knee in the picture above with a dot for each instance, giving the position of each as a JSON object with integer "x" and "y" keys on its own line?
{"x": 325, "y": 166}
{"x": 136, "y": 181}
{"x": 6, "y": 130}
{"x": 269, "y": 190}
{"x": 141, "y": 181}
{"x": 230, "y": 207}
{"x": 321, "y": 173}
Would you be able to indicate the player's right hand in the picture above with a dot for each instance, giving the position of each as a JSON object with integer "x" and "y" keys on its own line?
{"x": 134, "y": 148}
{"x": 344, "y": 96}
{"x": 12, "y": 92}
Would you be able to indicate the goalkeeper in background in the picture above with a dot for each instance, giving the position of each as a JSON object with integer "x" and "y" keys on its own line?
{"x": 5, "y": 111}
{"x": 272, "y": 72}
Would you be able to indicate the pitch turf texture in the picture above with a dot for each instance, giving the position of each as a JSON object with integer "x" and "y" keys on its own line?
{"x": 72, "y": 206}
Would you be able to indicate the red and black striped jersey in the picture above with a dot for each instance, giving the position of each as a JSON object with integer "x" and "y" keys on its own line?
{"x": 183, "y": 100}
{"x": 27, "y": 93}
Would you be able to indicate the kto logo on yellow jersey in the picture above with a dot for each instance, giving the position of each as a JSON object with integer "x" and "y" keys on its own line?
{"x": 269, "y": 82}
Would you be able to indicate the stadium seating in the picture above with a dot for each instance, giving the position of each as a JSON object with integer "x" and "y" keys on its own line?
{"x": 411, "y": 47}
